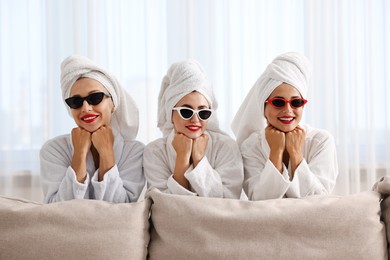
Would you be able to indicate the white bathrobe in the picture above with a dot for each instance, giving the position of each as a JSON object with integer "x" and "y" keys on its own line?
{"x": 218, "y": 174}
{"x": 122, "y": 183}
{"x": 316, "y": 174}
{"x": 125, "y": 180}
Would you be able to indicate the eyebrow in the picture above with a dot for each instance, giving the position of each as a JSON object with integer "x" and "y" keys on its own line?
{"x": 89, "y": 93}
{"x": 199, "y": 107}
{"x": 285, "y": 98}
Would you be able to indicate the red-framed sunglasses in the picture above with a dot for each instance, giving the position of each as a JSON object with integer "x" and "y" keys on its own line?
{"x": 281, "y": 102}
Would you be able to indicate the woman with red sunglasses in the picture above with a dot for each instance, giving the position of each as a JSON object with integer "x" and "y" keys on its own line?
{"x": 194, "y": 157}
{"x": 282, "y": 157}
{"x": 100, "y": 159}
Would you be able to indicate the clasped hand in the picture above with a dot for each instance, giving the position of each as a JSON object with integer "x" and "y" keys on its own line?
{"x": 192, "y": 150}
{"x": 280, "y": 141}
{"x": 101, "y": 139}
{"x": 285, "y": 147}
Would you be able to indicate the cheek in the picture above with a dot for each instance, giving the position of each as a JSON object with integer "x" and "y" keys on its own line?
{"x": 109, "y": 107}
{"x": 74, "y": 113}
{"x": 107, "y": 113}
{"x": 298, "y": 112}
{"x": 266, "y": 112}
{"x": 173, "y": 118}
{"x": 176, "y": 121}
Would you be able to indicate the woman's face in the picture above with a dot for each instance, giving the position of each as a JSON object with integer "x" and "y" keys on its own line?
{"x": 285, "y": 118}
{"x": 194, "y": 127}
{"x": 90, "y": 117}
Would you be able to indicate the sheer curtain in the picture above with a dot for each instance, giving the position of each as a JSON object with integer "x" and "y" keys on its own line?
{"x": 234, "y": 40}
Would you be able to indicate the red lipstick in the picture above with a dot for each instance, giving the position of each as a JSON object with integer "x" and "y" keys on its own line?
{"x": 89, "y": 118}
{"x": 286, "y": 120}
{"x": 194, "y": 128}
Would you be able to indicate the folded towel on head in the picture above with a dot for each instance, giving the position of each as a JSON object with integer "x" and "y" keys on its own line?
{"x": 125, "y": 117}
{"x": 291, "y": 68}
{"x": 183, "y": 78}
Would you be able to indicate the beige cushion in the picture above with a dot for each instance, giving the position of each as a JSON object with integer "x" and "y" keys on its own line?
{"x": 75, "y": 229}
{"x": 326, "y": 227}
{"x": 386, "y": 218}
{"x": 383, "y": 187}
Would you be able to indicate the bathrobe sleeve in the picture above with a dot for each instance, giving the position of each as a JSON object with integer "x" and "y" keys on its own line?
{"x": 158, "y": 168}
{"x": 261, "y": 178}
{"x": 316, "y": 174}
{"x": 122, "y": 183}
{"x": 125, "y": 180}
{"x": 218, "y": 174}
{"x": 58, "y": 179}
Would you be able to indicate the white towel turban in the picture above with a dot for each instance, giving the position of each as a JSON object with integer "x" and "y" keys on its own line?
{"x": 183, "y": 78}
{"x": 291, "y": 68}
{"x": 125, "y": 117}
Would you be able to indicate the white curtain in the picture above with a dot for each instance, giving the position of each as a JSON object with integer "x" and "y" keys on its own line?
{"x": 346, "y": 40}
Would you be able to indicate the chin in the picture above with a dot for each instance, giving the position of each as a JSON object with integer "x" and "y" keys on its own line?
{"x": 289, "y": 129}
{"x": 194, "y": 135}
{"x": 90, "y": 129}
{"x": 285, "y": 129}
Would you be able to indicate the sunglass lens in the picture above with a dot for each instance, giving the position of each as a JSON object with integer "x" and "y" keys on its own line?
{"x": 204, "y": 114}
{"x": 74, "y": 102}
{"x": 278, "y": 102}
{"x": 95, "y": 98}
{"x": 186, "y": 113}
{"x": 297, "y": 102}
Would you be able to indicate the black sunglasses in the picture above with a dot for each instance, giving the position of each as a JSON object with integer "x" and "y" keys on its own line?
{"x": 281, "y": 102}
{"x": 187, "y": 113}
{"x": 93, "y": 99}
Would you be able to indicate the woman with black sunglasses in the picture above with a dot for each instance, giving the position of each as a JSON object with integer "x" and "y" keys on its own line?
{"x": 282, "y": 157}
{"x": 194, "y": 157}
{"x": 100, "y": 159}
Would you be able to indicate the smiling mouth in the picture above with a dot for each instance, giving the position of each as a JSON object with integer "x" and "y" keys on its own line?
{"x": 286, "y": 120}
{"x": 193, "y": 128}
{"x": 89, "y": 119}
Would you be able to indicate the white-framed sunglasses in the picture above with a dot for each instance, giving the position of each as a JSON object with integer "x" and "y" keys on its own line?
{"x": 187, "y": 113}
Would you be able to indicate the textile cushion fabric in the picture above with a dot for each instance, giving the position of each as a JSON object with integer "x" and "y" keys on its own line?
{"x": 75, "y": 229}
{"x": 317, "y": 227}
{"x": 383, "y": 187}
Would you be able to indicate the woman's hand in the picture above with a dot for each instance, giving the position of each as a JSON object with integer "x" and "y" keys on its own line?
{"x": 103, "y": 141}
{"x": 199, "y": 148}
{"x": 294, "y": 143}
{"x": 183, "y": 147}
{"x": 276, "y": 141}
{"x": 81, "y": 140}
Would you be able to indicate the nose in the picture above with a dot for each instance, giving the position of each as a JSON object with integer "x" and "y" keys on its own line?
{"x": 288, "y": 107}
{"x": 86, "y": 106}
{"x": 195, "y": 118}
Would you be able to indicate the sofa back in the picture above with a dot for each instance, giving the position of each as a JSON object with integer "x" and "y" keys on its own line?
{"x": 166, "y": 226}
{"x": 75, "y": 229}
{"x": 317, "y": 227}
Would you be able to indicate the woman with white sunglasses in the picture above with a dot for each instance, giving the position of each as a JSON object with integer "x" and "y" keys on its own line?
{"x": 100, "y": 159}
{"x": 194, "y": 157}
{"x": 282, "y": 157}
